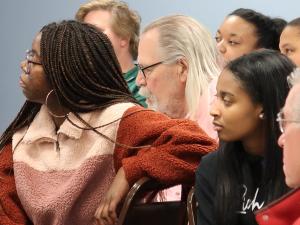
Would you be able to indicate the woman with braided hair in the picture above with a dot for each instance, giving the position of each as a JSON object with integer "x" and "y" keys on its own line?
{"x": 246, "y": 30}
{"x": 81, "y": 140}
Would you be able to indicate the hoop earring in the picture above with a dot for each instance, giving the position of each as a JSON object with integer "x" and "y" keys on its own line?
{"x": 51, "y": 113}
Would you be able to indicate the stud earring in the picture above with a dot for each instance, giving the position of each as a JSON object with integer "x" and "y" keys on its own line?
{"x": 261, "y": 116}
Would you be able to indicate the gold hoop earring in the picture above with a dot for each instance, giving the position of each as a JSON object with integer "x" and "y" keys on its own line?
{"x": 51, "y": 113}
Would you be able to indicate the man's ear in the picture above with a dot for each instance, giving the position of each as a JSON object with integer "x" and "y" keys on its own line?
{"x": 124, "y": 42}
{"x": 183, "y": 69}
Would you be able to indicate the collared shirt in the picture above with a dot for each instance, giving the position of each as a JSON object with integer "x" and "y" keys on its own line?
{"x": 130, "y": 78}
{"x": 58, "y": 174}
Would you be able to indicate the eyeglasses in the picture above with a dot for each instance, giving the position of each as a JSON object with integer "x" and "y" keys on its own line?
{"x": 145, "y": 69}
{"x": 282, "y": 122}
{"x": 29, "y": 61}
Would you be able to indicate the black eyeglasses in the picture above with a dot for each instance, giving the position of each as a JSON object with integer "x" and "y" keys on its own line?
{"x": 29, "y": 58}
{"x": 144, "y": 69}
{"x": 282, "y": 122}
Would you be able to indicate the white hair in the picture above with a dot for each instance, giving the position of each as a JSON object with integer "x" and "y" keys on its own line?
{"x": 183, "y": 37}
{"x": 294, "y": 79}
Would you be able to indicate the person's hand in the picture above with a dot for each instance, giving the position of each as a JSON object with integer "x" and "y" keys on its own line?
{"x": 106, "y": 212}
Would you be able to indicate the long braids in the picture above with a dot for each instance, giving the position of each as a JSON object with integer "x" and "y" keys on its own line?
{"x": 82, "y": 51}
{"x": 23, "y": 118}
{"x": 70, "y": 51}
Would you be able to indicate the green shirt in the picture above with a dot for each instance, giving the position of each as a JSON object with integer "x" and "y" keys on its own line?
{"x": 130, "y": 78}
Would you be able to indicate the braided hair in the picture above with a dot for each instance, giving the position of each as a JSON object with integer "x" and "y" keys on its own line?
{"x": 268, "y": 29}
{"x": 83, "y": 70}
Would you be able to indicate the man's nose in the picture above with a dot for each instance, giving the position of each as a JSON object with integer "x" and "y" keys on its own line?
{"x": 140, "y": 80}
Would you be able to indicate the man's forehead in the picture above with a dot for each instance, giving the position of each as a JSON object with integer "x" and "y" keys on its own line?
{"x": 293, "y": 97}
{"x": 149, "y": 47}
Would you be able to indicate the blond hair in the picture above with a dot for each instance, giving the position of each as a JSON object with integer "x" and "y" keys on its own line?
{"x": 183, "y": 37}
{"x": 125, "y": 22}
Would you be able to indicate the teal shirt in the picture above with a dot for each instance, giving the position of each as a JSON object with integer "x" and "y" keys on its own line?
{"x": 130, "y": 78}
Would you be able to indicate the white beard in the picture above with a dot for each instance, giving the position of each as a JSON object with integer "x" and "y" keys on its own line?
{"x": 151, "y": 100}
{"x": 169, "y": 107}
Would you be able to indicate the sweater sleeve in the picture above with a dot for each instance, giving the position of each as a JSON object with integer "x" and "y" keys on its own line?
{"x": 205, "y": 190}
{"x": 11, "y": 210}
{"x": 175, "y": 147}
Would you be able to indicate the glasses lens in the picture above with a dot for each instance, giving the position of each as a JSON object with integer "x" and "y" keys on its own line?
{"x": 141, "y": 69}
{"x": 280, "y": 121}
{"x": 28, "y": 57}
{"x": 281, "y": 126}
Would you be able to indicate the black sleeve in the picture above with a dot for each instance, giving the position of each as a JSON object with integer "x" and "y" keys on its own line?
{"x": 205, "y": 188}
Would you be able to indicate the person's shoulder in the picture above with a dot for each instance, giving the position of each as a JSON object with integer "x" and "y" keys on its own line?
{"x": 145, "y": 115}
{"x": 117, "y": 108}
{"x": 210, "y": 158}
{"x": 208, "y": 164}
{"x": 206, "y": 174}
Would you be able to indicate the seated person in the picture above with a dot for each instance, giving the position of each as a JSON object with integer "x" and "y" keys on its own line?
{"x": 245, "y": 173}
{"x": 81, "y": 139}
{"x": 286, "y": 210}
{"x": 178, "y": 71}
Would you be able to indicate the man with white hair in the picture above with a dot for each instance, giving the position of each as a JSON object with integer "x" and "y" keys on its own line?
{"x": 177, "y": 58}
{"x": 286, "y": 211}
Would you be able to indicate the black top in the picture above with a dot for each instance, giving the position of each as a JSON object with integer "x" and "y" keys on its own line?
{"x": 252, "y": 198}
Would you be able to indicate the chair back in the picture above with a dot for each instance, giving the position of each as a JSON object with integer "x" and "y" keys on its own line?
{"x": 139, "y": 208}
{"x": 192, "y": 207}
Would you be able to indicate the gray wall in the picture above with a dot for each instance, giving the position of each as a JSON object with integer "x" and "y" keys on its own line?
{"x": 21, "y": 20}
{"x": 212, "y": 12}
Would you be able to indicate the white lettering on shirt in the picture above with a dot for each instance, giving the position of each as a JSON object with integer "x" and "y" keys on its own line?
{"x": 249, "y": 204}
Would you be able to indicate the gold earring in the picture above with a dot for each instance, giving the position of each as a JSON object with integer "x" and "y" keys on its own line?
{"x": 50, "y": 112}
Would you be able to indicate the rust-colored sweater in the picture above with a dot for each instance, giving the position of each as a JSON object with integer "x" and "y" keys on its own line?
{"x": 177, "y": 146}
{"x": 11, "y": 210}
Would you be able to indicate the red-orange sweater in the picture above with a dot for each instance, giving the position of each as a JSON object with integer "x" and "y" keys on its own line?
{"x": 176, "y": 147}
{"x": 11, "y": 210}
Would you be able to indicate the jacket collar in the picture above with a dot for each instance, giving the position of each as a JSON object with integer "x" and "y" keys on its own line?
{"x": 42, "y": 127}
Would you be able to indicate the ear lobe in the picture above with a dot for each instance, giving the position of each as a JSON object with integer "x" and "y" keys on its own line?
{"x": 183, "y": 69}
{"x": 124, "y": 42}
{"x": 261, "y": 114}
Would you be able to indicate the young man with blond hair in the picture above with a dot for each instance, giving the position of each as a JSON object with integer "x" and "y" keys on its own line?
{"x": 122, "y": 26}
